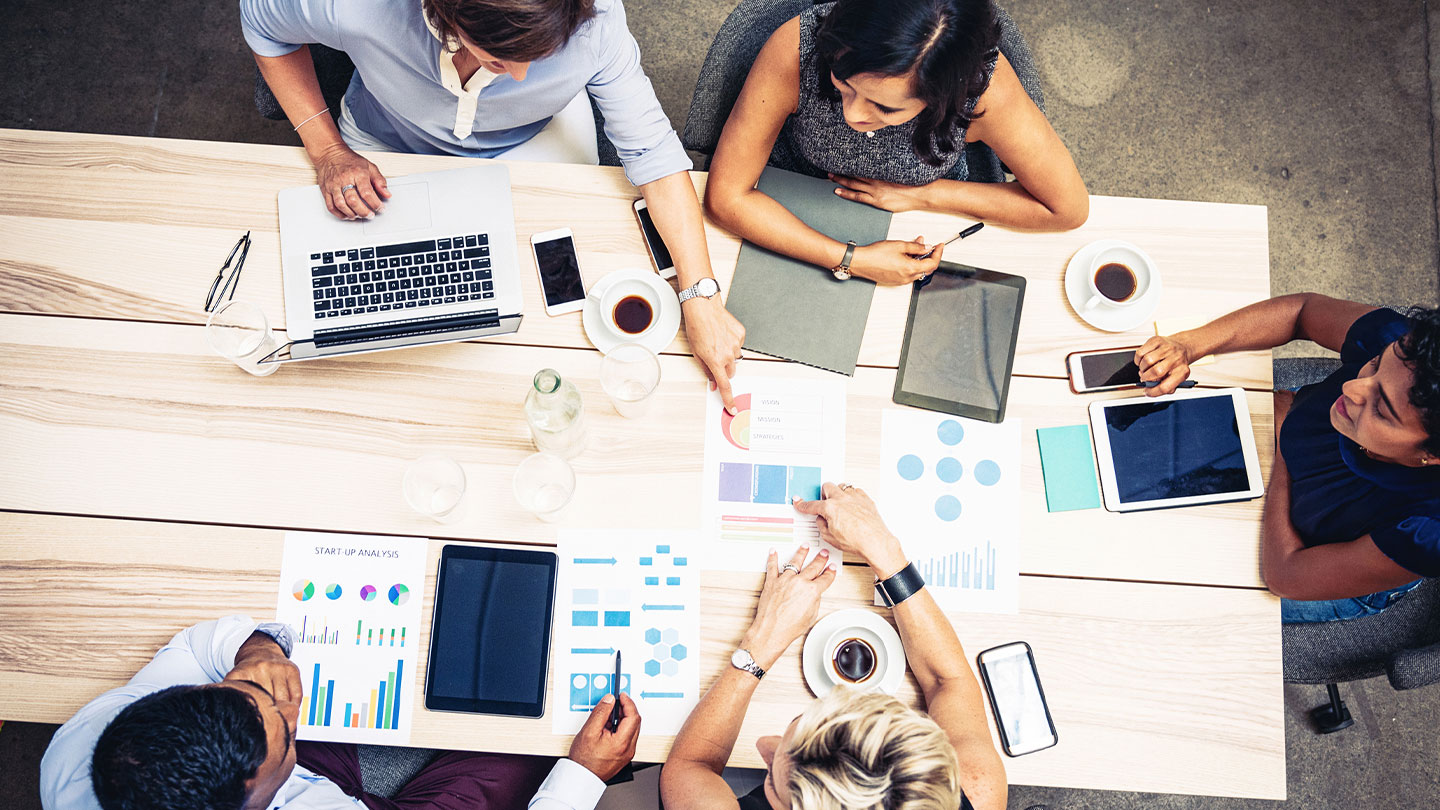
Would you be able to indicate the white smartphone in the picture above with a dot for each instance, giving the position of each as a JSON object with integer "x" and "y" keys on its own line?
{"x": 1104, "y": 370}
{"x": 559, "y": 268}
{"x": 1013, "y": 684}
{"x": 659, "y": 254}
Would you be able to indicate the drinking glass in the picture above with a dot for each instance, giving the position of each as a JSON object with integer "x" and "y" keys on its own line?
{"x": 239, "y": 333}
{"x": 630, "y": 373}
{"x": 434, "y": 486}
{"x": 544, "y": 484}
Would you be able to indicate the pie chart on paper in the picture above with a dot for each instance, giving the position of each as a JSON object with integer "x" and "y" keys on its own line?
{"x": 399, "y": 594}
{"x": 367, "y": 593}
{"x": 333, "y": 592}
{"x": 303, "y": 589}
{"x": 737, "y": 428}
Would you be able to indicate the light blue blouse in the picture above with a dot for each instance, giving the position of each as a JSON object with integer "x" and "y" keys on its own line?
{"x": 398, "y": 94}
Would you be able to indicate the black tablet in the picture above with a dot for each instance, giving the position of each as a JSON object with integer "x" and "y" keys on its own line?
{"x": 960, "y": 342}
{"x": 490, "y": 635}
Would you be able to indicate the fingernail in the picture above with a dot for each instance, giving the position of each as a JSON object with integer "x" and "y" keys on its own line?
{"x": 607, "y": 699}
{"x": 731, "y": 410}
{"x": 824, "y": 552}
{"x": 772, "y": 552}
{"x": 804, "y": 546}
{"x": 832, "y": 567}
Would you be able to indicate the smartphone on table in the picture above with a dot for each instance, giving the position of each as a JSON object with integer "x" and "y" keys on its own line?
{"x": 559, "y": 268}
{"x": 1104, "y": 370}
{"x": 1013, "y": 684}
{"x": 659, "y": 254}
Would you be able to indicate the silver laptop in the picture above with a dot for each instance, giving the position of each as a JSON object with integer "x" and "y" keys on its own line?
{"x": 438, "y": 265}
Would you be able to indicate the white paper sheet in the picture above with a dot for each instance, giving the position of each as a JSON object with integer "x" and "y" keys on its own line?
{"x": 355, "y": 604}
{"x": 950, "y": 490}
{"x": 637, "y": 592}
{"x": 787, "y": 439}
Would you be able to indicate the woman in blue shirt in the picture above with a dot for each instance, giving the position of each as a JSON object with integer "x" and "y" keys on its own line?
{"x": 480, "y": 78}
{"x": 1353, "y": 512}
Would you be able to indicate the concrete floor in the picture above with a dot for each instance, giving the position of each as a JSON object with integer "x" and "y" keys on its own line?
{"x": 1322, "y": 111}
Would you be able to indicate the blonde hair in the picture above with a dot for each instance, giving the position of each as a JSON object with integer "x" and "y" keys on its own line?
{"x": 856, "y": 750}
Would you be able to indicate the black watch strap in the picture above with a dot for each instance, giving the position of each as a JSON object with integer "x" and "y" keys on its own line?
{"x": 904, "y": 584}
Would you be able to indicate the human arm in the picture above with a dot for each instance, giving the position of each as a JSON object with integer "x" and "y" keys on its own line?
{"x": 1047, "y": 193}
{"x": 277, "y": 31}
{"x": 789, "y": 604}
{"x": 1262, "y": 325}
{"x": 771, "y": 94}
{"x": 847, "y": 518}
{"x": 596, "y": 754}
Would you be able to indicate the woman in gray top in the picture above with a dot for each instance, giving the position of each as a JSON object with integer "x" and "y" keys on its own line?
{"x": 881, "y": 97}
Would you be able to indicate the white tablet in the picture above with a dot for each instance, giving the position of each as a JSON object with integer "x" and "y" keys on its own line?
{"x": 1187, "y": 448}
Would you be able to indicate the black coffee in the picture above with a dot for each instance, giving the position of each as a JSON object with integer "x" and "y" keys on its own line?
{"x": 854, "y": 660}
{"x": 1115, "y": 281}
{"x": 633, "y": 314}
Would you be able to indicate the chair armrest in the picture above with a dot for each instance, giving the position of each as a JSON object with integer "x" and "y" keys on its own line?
{"x": 1414, "y": 668}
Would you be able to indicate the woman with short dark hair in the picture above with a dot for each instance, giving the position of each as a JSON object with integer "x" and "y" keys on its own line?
{"x": 882, "y": 96}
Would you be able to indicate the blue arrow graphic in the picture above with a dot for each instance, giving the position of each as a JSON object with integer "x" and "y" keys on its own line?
{"x": 592, "y": 650}
{"x": 662, "y": 607}
{"x": 648, "y": 695}
{"x": 595, "y": 561}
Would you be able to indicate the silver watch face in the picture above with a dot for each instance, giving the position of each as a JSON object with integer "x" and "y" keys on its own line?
{"x": 741, "y": 659}
{"x": 707, "y": 287}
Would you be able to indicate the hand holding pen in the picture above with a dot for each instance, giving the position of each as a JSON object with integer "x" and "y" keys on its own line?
{"x": 1164, "y": 365}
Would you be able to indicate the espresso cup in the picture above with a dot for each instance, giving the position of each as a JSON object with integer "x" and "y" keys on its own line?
{"x": 855, "y": 635}
{"x": 1105, "y": 288}
{"x": 618, "y": 292}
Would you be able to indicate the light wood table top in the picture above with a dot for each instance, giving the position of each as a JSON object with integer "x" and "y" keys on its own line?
{"x": 150, "y": 482}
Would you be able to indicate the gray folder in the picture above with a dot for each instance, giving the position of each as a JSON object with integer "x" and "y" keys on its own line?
{"x": 798, "y": 311}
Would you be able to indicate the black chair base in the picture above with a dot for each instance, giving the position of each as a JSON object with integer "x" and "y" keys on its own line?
{"x": 1333, "y": 716}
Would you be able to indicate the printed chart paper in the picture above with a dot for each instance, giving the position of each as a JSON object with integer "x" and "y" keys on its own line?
{"x": 787, "y": 438}
{"x": 950, "y": 490}
{"x": 637, "y": 592}
{"x": 354, "y": 602}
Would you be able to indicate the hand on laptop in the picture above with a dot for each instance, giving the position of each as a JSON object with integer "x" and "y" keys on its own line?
{"x": 604, "y": 752}
{"x": 715, "y": 338}
{"x": 339, "y": 167}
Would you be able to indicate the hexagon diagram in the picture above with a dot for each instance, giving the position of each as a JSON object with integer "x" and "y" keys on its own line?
{"x": 666, "y": 651}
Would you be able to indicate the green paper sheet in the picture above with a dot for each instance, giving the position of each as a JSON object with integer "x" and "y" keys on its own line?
{"x": 1068, "y": 463}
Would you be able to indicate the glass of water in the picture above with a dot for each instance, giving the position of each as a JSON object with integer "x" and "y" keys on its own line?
{"x": 434, "y": 486}
{"x": 240, "y": 333}
{"x": 630, "y": 373}
{"x": 544, "y": 484}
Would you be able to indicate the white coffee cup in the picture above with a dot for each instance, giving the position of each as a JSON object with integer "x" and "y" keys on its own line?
{"x": 872, "y": 640}
{"x": 1128, "y": 256}
{"x": 619, "y": 291}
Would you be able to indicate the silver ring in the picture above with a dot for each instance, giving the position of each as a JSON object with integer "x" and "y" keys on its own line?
{"x": 845, "y": 487}
{"x": 789, "y": 567}
{"x": 344, "y": 189}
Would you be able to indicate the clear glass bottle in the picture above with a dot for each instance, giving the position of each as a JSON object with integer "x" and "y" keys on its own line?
{"x": 556, "y": 415}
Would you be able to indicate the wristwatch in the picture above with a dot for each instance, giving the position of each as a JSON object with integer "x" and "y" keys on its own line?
{"x": 704, "y": 288}
{"x": 741, "y": 659}
{"x": 904, "y": 584}
{"x": 280, "y": 633}
{"x": 842, "y": 270}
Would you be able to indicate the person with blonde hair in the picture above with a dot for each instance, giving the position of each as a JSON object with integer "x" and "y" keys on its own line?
{"x": 850, "y": 750}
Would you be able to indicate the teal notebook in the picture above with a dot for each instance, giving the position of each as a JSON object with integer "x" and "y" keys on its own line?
{"x": 1068, "y": 464}
{"x": 797, "y": 311}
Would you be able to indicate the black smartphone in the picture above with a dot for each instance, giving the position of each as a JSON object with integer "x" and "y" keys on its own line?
{"x": 1104, "y": 370}
{"x": 659, "y": 254}
{"x": 1013, "y": 684}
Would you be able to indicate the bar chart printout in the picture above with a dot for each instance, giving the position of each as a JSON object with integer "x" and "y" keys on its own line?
{"x": 354, "y": 646}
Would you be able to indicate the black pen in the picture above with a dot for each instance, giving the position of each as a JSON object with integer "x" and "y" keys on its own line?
{"x": 970, "y": 231}
{"x": 1153, "y": 383}
{"x": 615, "y": 693}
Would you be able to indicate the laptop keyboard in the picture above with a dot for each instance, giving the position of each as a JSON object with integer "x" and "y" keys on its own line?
{"x": 407, "y": 275}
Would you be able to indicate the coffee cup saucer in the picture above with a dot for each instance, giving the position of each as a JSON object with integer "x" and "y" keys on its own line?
{"x": 1107, "y": 317}
{"x": 661, "y": 333}
{"x": 812, "y": 656}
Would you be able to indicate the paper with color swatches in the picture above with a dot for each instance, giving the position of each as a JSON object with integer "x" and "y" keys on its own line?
{"x": 1068, "y": 464}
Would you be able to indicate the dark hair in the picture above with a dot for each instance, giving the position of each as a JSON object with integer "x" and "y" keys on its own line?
{"x": 182, "y": 748}
{"x": 522, "y": 30}
{"x": 946, "y": 45}
{"x": 1420, "y": 351}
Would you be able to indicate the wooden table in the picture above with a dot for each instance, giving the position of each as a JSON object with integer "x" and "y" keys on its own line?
{"x": 148, "y": 484}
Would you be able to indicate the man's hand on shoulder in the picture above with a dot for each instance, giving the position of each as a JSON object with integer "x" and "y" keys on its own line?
{"x": 261, "y": 661}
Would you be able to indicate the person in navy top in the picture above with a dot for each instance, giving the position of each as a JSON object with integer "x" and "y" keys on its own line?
{"x": 1352, "y": 521}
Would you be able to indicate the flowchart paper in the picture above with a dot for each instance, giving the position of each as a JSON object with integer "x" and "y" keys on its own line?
{"x": 637, "y": 592}
{"x": 787, "y": 438}
{"x": 950, "y": 490}
{"x": 354, "y": 602}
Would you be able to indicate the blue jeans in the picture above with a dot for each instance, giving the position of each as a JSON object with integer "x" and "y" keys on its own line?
{"x": 1331, "y": 610}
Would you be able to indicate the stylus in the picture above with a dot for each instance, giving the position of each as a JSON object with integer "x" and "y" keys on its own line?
{"x": 1153, "y": 383}
{"x": 970, "y": 231}
{"x": 615, "y": 693}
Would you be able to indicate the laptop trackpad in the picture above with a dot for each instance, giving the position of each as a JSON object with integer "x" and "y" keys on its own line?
{"x": 407, "y": 209}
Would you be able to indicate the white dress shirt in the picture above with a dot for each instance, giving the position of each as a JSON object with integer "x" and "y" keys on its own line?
{"x": 203, "y": 654}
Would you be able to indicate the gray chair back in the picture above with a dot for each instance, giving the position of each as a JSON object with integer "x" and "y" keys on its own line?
{"x": 1402, "y": 642}
{"x": 744, "y": 33}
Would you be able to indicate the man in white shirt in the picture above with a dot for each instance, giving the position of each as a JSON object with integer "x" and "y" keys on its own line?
{"x": 209, "y": 724}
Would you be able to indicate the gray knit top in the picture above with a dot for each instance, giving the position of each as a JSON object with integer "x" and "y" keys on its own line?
{"x": 816, "y": 139}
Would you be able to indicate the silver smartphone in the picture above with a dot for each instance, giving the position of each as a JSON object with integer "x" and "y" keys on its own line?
{"x": 1105, "y": 370}
{"x": 1013, "y": 684}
